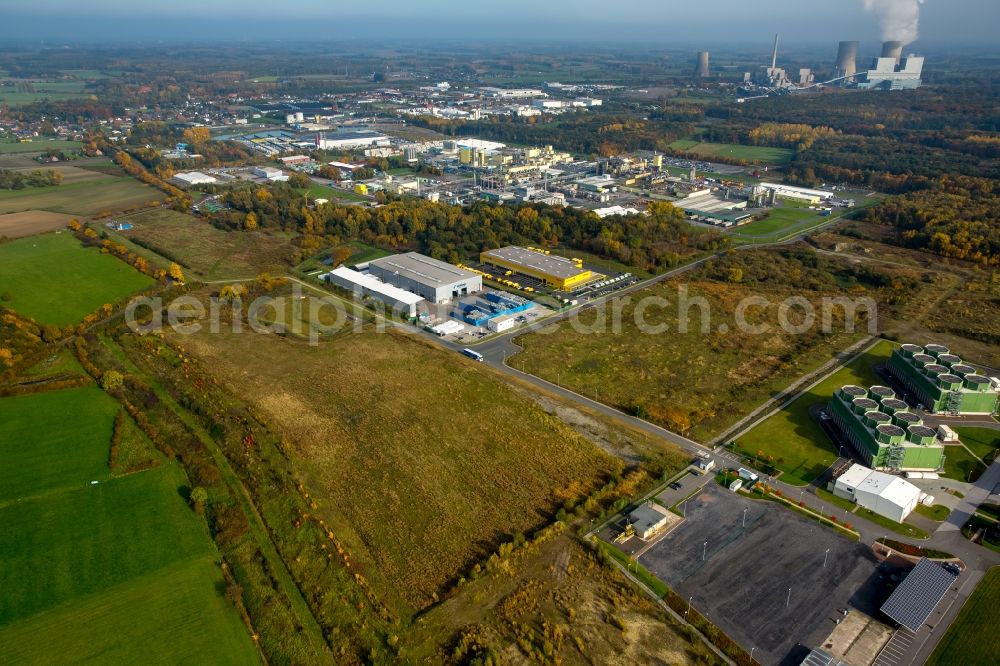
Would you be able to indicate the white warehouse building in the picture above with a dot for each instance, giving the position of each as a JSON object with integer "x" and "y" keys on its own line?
{"x": 398, "y": 299}
{"x": 435, "y": 280}
{"x": 885, "y": 494}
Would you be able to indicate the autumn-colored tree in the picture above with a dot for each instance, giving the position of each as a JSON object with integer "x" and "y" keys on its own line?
{"x": 198, "y": 497}
{"x": 197, "y": 135}
{"x": 250, "y": 223}
{"x": 111, "y": 380}
{"x": 106, "y": 309}
{"x": 74, "y": 224}
{"x": 231, "y": 292}
{"x": 175, "y": 272}
{"x": 340, "y": 255}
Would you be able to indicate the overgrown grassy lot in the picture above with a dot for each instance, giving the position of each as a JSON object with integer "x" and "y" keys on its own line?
{"x": 55, "y": 280}
{"x": 210, "y": 253}
{"x": 37, "y": 145}
{"x": 792, "y": 437}
{"x": 421, "y": 462}
{"x": 972, "y": 638}
{"x": 700, "y": 380}
{"x": 82, "y": 198}
{"x": 737, "y": 151}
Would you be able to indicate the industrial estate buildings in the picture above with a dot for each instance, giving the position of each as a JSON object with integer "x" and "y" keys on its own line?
{"x": 942, "y": 382}
{"x": 434, "y": 280}
{"x": 885, "y": 434}
{"x": 558, "y": 272}
{"x": 398, "y": 299}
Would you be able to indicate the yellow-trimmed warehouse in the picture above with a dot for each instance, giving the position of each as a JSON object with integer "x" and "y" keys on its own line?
{"x": 557, "y": 272}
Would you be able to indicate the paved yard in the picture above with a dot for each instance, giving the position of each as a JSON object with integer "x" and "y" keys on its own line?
{"x": 743, "y": 582}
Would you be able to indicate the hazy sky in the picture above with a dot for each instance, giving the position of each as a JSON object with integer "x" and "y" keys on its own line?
{"x": 667, "y": 21}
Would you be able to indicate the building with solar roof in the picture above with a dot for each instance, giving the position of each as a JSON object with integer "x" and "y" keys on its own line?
{"x": 883, "y": 432}
{"x": 911, "y": 604}
{"x": 942, "y": 381}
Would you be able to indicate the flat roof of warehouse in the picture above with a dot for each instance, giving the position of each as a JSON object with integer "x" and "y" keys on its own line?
{"x": 559, "y": 267}
{"x": 423, "y": 269}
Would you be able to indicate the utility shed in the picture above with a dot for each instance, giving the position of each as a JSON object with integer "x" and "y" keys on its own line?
{"x": 648, "y": 520}
{"x": 885, "y": 494}
{"x": 912, "y": 603}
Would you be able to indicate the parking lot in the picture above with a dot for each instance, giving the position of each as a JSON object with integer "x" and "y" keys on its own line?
{"x": 765, "y": 584}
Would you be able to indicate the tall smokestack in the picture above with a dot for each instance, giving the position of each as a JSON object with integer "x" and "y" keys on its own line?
{"x": 892, "y": 50}
{"x": 774, "y": 54}
{"x": 847, "y": 59}
{"x": 701, "y": 67}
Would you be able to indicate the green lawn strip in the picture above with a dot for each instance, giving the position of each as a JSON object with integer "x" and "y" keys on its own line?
{"x": 791, "y": 504}
{"x": 983, "y": 442}
{"x": 793, "y": 435}
{"x": 35, "y": 145}
{"x": 256, "y": 523}
{"x": 827, "y": 496}
{"x": 905, "y": 529}
{"x": 990, "y": 511}
{"x": 961, "y": 464}
{"x": 937, "y": 512}
{"x": 175, "y": 614}
{"x": 642, "y": 574}
{"x": 54, "y": 440}
{"x": 55, "y": 280}
{"x": 972, "y": 638}
{"x": 56, "y": 547}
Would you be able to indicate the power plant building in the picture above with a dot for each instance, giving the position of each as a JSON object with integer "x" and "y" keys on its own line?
{"x": 847, "y": 59}
{"x": 884, "y": 433}
{"x": 437, "y": 281}
{"x": 557, "y": 272}
{"x": 891, "y": 71}
{"x": 942, "y": 382}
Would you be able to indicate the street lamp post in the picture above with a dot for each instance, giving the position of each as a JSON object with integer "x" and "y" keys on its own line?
{"x": 704, "y": 551}
{"x": 744, "y": 516}
{"x": 789, "y": 599}
{"x": 689, "y": 606}
{"x": 752, "y": 648}
{"x": 825, "y": 555}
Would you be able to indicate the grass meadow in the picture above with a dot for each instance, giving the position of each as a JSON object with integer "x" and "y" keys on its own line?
{"x": 737, "y": 151}
{"x": 83, "y": 198}
{"x": 105, "y": 572}
{"x": 55, "y": 280}
{"x": 795, "y": 437}
{"x": 37, "y": 145}
{"x": 422, "y": 462}
{"x": 211, "y": 253}
{"x": 972, "y": 639}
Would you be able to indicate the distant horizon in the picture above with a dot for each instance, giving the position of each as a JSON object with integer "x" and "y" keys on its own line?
{"x": 959, "y": 23}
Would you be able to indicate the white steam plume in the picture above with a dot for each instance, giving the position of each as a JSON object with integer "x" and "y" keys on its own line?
{"x": 899, "y": 18}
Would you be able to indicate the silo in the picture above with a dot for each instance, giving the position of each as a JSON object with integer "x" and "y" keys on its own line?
{"x": 847, "y": 59}
{"x": 892, "y": 50}
{"x": 701, "y": 66}
{"x": 850, "y": 392}
{"x": 875, "y": 419}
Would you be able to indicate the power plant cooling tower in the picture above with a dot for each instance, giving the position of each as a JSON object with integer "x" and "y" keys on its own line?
{"x": 701, "y": 67}
{"x": 892, "y": 50}
{"x": 847, "y": 58}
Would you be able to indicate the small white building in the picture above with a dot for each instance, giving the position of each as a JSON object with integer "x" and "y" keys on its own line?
{"x": 648, "y": 520}
{"x": 270, "y": 173}
{"x": 189, "y": 178}
{"x": 501, "y": 324}
{"x": 887, "y": 495}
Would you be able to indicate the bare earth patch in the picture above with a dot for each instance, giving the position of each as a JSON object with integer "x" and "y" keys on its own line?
{"x": 30, "y": 222}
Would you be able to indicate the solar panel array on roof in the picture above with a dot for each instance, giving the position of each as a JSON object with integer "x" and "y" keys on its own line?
{"x": 918, "y": 595}
{"x": 820, "y": 657}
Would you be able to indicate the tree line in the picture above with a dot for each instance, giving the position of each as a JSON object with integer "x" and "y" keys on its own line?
{"x": 18, "y": 180}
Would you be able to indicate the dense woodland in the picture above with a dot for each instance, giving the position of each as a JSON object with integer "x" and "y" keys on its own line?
{"x": 652, "y": 242}
{"x": 955, "y": 216}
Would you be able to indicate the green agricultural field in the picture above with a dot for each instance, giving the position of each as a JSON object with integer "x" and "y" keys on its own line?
{"x": 794, "y": 437}
{"x": 55, "y": 280}
{"x": 780, "y": 222}
{"x": 763, "y": 154}
{"x": 83, "y": 199}
{"x": 972, "y": 639}
{"x": 55, "y": 548}
{"x": 53, "y": 440}
{"x": 334, "y": 193}
{"x": 37, "y": 145}
{"x": 174, "y": 615}
{"x": 209, "y": 252}
{"x": 45, "y": 91}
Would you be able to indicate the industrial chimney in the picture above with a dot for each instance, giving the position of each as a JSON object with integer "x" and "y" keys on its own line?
{"x": 892, "y": 50}
{"x": 701, "y": 67}
{"x": 847, "y": 58}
